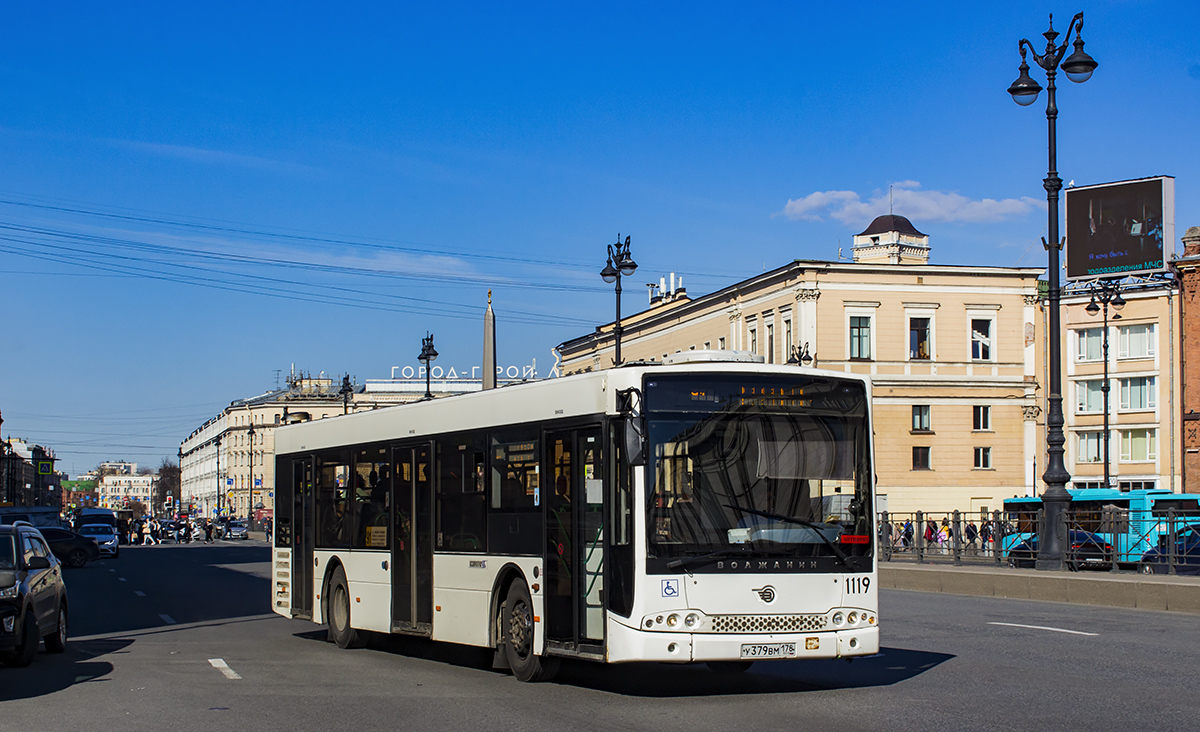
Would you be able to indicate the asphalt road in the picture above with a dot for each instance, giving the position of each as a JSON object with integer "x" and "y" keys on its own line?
{"x": 180, "y": 638}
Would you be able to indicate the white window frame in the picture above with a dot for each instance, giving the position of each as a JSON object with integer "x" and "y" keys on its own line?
{"x": 1081, "y": 339}
{"x": 1151, "y": 389}
{"x": 991, "y": 319}
{"x": 862, "y": 310}
{"x": 909, "y": 315}
{"x": 985, "y": 422}
{"x": 1126, "y": 452}
{"x": 983, "y": 458}
{"x": 1081, "y": 389}
{"x": 927, "y": 413}
{"x": 1123, "y": 333}
{"x": 1084, "y": 442}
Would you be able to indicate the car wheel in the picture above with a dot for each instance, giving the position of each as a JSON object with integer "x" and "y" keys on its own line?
{"x": 25, "y": 653}
{"x": 729, "y": 667}
{"x": 1146, "y": 568}
{"x": 517, "y": 624}
{"x": 77, "y": 558}
{"x": 57, "y": 643}
{"x": 338, "y": 613}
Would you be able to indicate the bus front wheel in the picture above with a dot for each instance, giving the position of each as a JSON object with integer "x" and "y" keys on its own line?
{"x": 517, "y": 623}
{"x": 338, "y": 613}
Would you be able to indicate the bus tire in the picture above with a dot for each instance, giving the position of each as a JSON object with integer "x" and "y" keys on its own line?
{"x": 338, "y": 613}
{"x": 729, "y": 667}
{"x": 517, "y": 624}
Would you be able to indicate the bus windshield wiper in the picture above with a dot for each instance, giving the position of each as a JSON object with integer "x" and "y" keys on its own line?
{"x": 816, "y": 527}
{"x": 685, "y": 561}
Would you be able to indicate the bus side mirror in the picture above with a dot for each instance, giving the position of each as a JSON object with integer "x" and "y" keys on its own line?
{"x": 635, "y": 441}
{"x": 629, "y": 405}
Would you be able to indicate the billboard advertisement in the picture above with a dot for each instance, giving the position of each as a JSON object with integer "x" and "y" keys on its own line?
{"x": 1120, "y": 229}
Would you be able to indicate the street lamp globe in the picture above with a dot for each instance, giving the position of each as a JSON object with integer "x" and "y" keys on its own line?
{"x": 1079, "y": 66}
{"x": 610, "y": 273}
{"x": 1025, "y": 89}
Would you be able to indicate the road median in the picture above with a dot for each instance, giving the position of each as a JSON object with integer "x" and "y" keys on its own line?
{"x": 1143, "y": 592}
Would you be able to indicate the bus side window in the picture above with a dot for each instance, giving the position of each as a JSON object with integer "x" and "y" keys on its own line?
{"x": 461, "y": 495}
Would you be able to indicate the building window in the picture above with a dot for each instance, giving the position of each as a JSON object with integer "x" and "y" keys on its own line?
{"x": 981, "y": 339}
{"x": 789, "y": 337}
{"x": 920, "y": 458}
{"x": 1090, "y": 342}
{"x": 860, "y": 337}
{"x": 754, "y": 340}
{"x": 1089, "y": 396}
{"x": 708, "y": 345}
{"x": 770, "y": 343}
{"x": 920, "y": 418}
{"x": 1089, "y": 447}
{"x": 1138, "y": 393}
{"x": 1135, "y": 341}
{"x": 981, "y": 417}
{"x": 983, "y": 458}
{"x": 1138, "y": 485}
{"x": 1139, "y": 446}
{"x": 721, "y": 344}
{"x": 918, "y": 339}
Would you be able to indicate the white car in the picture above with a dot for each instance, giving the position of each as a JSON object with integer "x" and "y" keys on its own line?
{"x": 105, "y": 536}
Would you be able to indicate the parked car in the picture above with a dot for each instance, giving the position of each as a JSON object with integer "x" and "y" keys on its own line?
{"x": 33, "y": 596}
{"x": 237, "y": 530}
{"x": 106, "y": 538}
{"x": 73, "y": 550}
{"x": 1084, "y": 550}
{"x": 1186, "y": 553}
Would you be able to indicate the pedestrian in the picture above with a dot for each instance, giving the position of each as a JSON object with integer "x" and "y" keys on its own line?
{"x": 908, "y": 533}
{"x": 972, "y": 536}
{"x": 208, "y": 532}
{"x": 146, "y": 541}
{"x": 985, "y": 537}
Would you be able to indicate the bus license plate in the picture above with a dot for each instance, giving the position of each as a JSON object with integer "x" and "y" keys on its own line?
{"x": 768, "y": 650}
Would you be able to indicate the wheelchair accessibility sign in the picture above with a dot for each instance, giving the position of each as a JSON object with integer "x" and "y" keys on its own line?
{"x": 670, "y": 588}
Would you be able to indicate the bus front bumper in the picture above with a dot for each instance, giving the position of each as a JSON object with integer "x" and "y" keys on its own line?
{"x": 630, "y": 644}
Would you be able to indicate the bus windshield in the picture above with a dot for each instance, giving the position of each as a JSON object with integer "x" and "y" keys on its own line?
{"x": 778, "y": 467}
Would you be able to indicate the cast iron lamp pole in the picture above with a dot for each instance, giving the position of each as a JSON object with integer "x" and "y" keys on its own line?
{"x": 1106, "y": 293}
{"x": 619, "y": 254}
{"x": 250, "y": 452}
{"x": 800, "y": 355}
{"x": 1078, "y": 67}
{"x": 428, "y": 354}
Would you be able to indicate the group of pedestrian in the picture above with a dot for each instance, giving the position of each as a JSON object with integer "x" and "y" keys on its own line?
{"x": 938, "y": 537}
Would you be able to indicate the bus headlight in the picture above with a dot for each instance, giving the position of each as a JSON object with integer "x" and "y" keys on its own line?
{"x": 837, "y": 618}
{"x": 692, "y": 620}
{"x": 672, "y": 620}
{"x": 852, "y": 618}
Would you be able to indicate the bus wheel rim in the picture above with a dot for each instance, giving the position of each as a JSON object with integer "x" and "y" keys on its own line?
{"x": 521, "y": 629}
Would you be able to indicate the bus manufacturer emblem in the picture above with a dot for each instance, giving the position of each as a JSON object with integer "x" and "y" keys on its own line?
{"x": 766, "y": 594}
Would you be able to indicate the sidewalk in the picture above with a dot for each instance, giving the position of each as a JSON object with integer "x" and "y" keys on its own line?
{"x": 1146, "y": 592}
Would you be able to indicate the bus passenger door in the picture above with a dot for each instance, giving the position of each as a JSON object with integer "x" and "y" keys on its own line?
{"x": 575, "y": 539}
{"x": 412, "y": 545}
{"x": 302, "y": 538}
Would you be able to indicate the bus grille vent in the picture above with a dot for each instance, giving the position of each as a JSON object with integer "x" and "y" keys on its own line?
{"x": 767, "y": 623}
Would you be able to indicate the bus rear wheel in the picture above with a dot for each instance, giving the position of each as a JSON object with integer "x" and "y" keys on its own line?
{"x": 517, "y": 624}
{"x": 338, "y": 613}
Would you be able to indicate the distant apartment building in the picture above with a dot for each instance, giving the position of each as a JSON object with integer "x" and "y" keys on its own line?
{"x": 122, "y": 489}
{"x": 951, "y": 349}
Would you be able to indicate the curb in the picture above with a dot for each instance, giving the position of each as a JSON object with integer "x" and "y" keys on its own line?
{"x": 1156, "y": 592}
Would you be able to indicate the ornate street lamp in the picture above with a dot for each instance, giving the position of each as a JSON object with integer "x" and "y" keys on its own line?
{"x": 428, "y": 354}
{"x": 1078, "y": 67}
{"x": 618, "y": 255}
{"x": 346, "y": 391}
{"x": 800, "y": 355}
{"x": 250, "y": 452}
{"x": 1106, "y": 292}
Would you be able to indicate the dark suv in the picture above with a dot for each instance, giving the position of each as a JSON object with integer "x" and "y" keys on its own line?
{"x": 33, "y": 598}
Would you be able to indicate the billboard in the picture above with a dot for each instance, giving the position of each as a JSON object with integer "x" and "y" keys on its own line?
{"x": 1120, "y": 229}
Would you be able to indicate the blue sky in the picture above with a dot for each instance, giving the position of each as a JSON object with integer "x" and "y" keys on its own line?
{"x": 194, "y": 196}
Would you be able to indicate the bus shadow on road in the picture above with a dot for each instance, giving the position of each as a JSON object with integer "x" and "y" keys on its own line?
{"x": 50, "y": 673}
{"x": 891, "y": 666}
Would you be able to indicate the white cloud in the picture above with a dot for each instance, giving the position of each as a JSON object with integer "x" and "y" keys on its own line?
{"x": 908, "y": 200}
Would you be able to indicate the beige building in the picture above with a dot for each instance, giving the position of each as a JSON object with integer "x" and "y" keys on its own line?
{"x": 1144, "y": 376}
{"x": 952, "y": 352}
{"x": 121, "y": 489}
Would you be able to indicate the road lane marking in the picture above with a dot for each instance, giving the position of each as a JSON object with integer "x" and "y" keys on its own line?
{"x": 112, "y": 570}
{"x": 122, "y": 579}
{"x": 167, "y": 619}
{"x": 1043, "y": 627}
{"x": 220, "y": 665}
{"x": 139, "y": 593}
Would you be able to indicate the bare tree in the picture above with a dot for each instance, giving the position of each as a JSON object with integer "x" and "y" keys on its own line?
{"x": 166, "y": 488}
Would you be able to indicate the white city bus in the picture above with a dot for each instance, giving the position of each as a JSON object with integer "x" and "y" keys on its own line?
{"x": 709, "y": 509}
